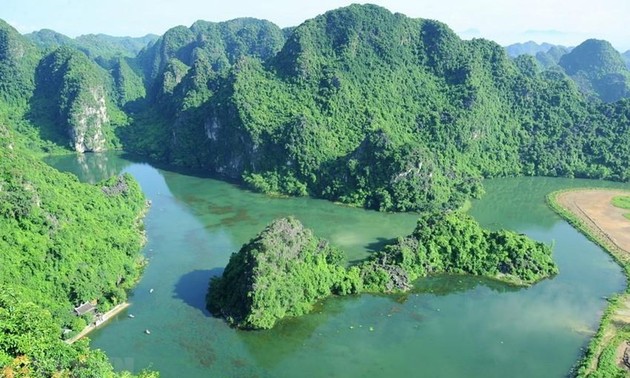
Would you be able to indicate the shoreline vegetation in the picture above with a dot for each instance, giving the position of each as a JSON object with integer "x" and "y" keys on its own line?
{"x": 285, "y": 269}
{"x": 64, "y": 242}
{"x": 592, "y": 212}
{"x": 102, "y": 320}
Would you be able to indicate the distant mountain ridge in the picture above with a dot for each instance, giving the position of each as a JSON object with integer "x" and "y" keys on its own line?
{"x": 94, "y": 45}
{"x": 530, "y": 48}
{"x": 547, "y": 54}
{"x": 551, "y": 57}
{"x": 598, "y": 69}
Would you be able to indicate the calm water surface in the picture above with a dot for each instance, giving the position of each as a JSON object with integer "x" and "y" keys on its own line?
{"x": 447, "y": 327}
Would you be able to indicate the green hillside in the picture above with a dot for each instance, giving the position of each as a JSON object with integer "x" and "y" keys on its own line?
{"x": 63, "y": 243}
{"x": 598, "y": 69}
{"x": 551, "y": 57}
{"x": 73, "y": 101}
{"x": 18, "y": 59}
{"x": 379, "y": 110}
{"x": 100, "y": 47}
{"x": 282, "y": 272}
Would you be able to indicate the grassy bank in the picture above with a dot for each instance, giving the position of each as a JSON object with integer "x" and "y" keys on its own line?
{"x": 622, "y": 202}
{"x": 600, "y": 357}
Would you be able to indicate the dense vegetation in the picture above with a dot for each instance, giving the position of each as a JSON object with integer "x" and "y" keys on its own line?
{"x": 598, "y": 69}
{"x": 372, "y": 109}
{"x": 72, "y": 101}
{"x": 455, "y": 243}
{"x": 18, "y": 60}
{"x": 358, "y": 105}
{"x": 63, "y": 243}
{"x": 61, "y": 97}
{"x": 281, "y": 272}
{"x": 285, "y": 269}
{"x": 183, "y": 70}
{"x": 30, "y": 345}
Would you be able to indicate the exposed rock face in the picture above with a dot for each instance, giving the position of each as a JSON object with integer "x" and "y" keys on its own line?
{"x": 71, "y": 98}
{"x": 86, "y": 124}
{"x": 119, "y": 187}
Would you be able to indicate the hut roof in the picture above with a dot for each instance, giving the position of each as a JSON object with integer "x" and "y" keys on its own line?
{"x": 84, "y": 308}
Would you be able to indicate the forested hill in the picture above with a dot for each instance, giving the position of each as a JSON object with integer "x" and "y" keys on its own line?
{"x": 18, "y": 59}
{"x": 357, "y": 105}
{"x": 528, "y": 48}
{"x": 97, "y": 46}
{"x": 379, "y": 110}
{"x": 598, "y": 69}
{"x": 62, "y": 243}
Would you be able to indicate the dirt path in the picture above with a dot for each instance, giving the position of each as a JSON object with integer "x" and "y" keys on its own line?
{"x": 606, "y": 223}
{"x": 594, "y": 207}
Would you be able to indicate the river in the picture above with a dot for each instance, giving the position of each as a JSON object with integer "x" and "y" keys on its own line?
{"x": 449, "y": 326}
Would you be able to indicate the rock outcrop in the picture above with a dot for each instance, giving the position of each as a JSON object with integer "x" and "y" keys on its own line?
{"x": 71, "y": 99}
{"x": 281, "y": 272}
{"x": 87, "y": 122}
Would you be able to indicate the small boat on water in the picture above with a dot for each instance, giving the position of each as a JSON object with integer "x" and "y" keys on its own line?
{"x": 151, "y": 291}
{"x": 131, "y": 315}
{"x": 147, "y": 331}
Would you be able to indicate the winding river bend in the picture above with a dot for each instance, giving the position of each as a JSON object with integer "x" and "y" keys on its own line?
{"x": 449, "y": 326}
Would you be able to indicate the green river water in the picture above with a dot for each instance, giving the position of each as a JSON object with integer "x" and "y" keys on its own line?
{"x": 449, "y": 326}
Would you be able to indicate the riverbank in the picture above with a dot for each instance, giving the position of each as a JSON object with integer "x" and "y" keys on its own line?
{"x": 102, "y": 320}
{"x": 591, "y": 211}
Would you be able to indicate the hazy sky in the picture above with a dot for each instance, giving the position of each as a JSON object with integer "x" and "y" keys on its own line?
{"x": 567, "y": 22}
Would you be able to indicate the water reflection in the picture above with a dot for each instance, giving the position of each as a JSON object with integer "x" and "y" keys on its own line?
{"x": 192, "y": 288}
{"x": 90, "y": 167}
{"x": 291, "y": 335}
{"x": 450, "y": 284}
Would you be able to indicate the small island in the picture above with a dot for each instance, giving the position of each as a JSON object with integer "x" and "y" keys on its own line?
{"x": 453, "y": 242}
{"x": 281, "y": 272}
{"x": 286, "y": 269}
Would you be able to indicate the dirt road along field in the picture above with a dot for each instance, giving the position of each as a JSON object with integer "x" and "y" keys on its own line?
{"x": 606, "y": 224}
